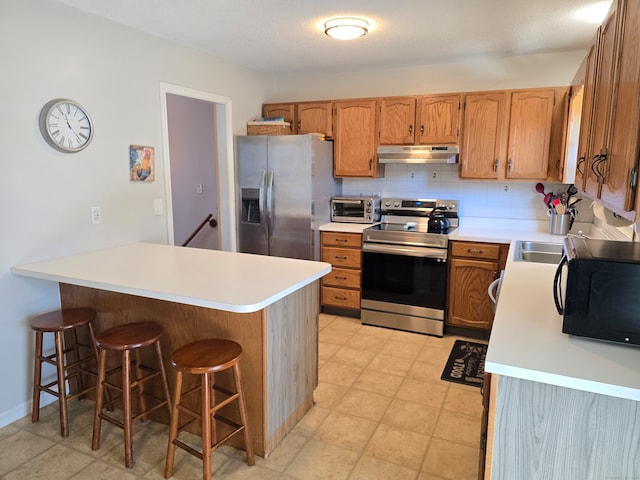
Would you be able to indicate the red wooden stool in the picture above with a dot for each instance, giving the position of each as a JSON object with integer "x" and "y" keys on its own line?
{"x": 127, "y": 338}
{"x": 58, "y": 322}
{"x": 205, "y": 358}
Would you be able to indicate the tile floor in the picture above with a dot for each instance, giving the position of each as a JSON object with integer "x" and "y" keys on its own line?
{"x": 381, "y": 412}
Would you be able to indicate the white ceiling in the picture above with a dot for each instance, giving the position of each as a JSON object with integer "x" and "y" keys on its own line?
{"x": 284, "y": 35}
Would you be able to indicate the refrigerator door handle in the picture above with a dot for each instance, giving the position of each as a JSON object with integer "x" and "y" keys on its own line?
{"x": 261, "y": 203}
{"x": 270, "y": 211}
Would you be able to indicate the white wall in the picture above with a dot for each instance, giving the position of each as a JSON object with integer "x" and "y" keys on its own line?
{"x": 517, "y": 200}
{"x": 49, "y": 51}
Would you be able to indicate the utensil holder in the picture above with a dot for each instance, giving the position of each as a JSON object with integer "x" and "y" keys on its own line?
{"x": 559, "y": 224}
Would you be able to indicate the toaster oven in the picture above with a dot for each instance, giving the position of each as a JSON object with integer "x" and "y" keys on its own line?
{"x": 355, "y": 209}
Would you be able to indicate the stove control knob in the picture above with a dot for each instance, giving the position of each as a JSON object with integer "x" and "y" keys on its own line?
{"x": 387, "y": 204}
{"x": 368, "y": 203}
{"x": 368, "y": 209}
{"x": 452, "y": 206}
{"x": 396, "y": 204}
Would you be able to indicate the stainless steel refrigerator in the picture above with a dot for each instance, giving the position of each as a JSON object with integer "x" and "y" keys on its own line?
{"x": 284, "y": 184}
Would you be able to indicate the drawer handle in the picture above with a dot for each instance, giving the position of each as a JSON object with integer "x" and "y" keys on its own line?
{"x": 343, "y": 240}
{"x": 339, "y": 298}
{"x": 343, "y": 257}
{"x": 340, "y": 278}
{"x": 473, "y": 250}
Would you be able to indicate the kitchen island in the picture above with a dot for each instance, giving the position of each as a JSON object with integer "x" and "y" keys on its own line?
{"x": 269, "y": 305}
{"x": 562, "y": 407}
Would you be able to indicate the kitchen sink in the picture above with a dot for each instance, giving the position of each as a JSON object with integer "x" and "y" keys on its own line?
{"x": 538, "y": 252}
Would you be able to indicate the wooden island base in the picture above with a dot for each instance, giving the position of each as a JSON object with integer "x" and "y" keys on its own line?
{"x": 279, "y": 362}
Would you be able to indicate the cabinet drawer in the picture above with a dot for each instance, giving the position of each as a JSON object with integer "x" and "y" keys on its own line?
{"x": 340, "y": 277}
{"x": 342, "y": 257}
{"x": 337, "y": 297}
{"x": 487, "y": 251}
{"x": 341, "y": 239}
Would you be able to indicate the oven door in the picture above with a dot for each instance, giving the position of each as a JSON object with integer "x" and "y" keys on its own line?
{"x": 401, "y": 285}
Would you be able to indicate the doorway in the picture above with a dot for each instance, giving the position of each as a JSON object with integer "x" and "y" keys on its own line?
{"x": 198, "y": 147}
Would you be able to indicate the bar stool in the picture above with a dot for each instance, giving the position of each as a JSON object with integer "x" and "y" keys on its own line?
{"x": 205, "y": 358}
{"x": 58, "y": 322}
{"x": 127, "y": 338}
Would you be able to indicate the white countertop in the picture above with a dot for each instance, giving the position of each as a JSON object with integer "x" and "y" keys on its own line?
{"x": 345, "y": 227}
{"x": 234, "y": 282}
{"x": 527, "y": 341}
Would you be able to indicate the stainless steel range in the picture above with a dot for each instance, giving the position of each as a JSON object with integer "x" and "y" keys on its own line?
{"x": 404, "y": 265}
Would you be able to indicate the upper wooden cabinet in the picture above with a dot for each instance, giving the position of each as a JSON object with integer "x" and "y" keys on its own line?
{"x": 530, "y": 134}
{"x": 603, "y": 102}
{"x": 426, "y": 120}
{"x": 397, "y": 121}
{"x": 484, "y": 135}
{"x": 285, "y": 110}
{"x": 609, "y": 144}
{"x": 619, "y": 186}
{"x": 588, "y": 71}
{"x": 315, "y": 117}
{"x": 354, "y": 148}
{"x": 438, "y": 119}
{"x": 507, "y": 134}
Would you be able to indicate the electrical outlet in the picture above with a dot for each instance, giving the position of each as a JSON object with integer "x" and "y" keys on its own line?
{"x": 96, "y": 215}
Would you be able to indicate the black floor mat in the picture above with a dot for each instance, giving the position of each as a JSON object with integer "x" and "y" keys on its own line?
{"x": 466, "y": 363}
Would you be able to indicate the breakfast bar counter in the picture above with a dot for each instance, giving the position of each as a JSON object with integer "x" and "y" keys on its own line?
{"x": 269, "y": 305}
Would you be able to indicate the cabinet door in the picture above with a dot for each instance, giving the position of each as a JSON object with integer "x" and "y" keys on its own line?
{"x": 285, "y": 110}
{"x": 604, "y": 94}
{"x": 484, "y": 133}
{"x": 315, "y": 118}
{"x": 438, "y": 120}
{"x": 530, "y": 134}
{"x": 469, "y": 304}
{"x": 355, "y": 139}
{"x": 397, "y": 121}
{"x": 584, "y": 145}
{"x": 618, "y": 189}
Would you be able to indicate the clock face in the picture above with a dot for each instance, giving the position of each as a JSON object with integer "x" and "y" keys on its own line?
{"x": 65, "y": 125}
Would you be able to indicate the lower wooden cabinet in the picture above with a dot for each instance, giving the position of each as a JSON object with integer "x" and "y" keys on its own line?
{"x": 472, "y": 268}
{"x": 341, "y": 287}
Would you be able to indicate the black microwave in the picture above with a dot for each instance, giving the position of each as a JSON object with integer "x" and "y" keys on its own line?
{"x": 600, "y": 296}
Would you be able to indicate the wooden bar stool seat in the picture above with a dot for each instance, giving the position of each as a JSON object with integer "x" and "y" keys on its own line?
{"x": 205, "y": 358}
{"x": 58, "y": 322}
{"x": 127, "y": 338}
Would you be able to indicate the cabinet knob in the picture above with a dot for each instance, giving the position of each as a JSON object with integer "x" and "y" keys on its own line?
{"x": 509, "y": 165}
{"x": 421, "y": 129}
{"x": 495, "y": 165}
{"x": 410, "y": 129}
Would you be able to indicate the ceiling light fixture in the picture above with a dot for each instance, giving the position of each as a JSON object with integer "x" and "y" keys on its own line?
{"x": 346, "y": 28}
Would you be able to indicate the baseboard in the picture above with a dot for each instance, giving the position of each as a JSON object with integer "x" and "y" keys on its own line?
{"x": 22, "y": 410}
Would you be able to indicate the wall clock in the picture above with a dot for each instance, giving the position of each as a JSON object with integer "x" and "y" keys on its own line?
{"x": 65, "y": 125}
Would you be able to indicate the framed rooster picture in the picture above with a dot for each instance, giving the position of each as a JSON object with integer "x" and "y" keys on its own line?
{"x": 141, "y": 164}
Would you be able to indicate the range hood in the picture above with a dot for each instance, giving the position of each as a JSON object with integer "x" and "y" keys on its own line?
{"x": 418, "y": 154}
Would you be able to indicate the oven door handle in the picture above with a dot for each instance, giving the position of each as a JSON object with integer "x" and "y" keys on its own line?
{"x": 407, "y": 251}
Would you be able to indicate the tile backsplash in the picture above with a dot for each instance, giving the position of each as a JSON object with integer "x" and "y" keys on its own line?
{"x": 478, "y": 198}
